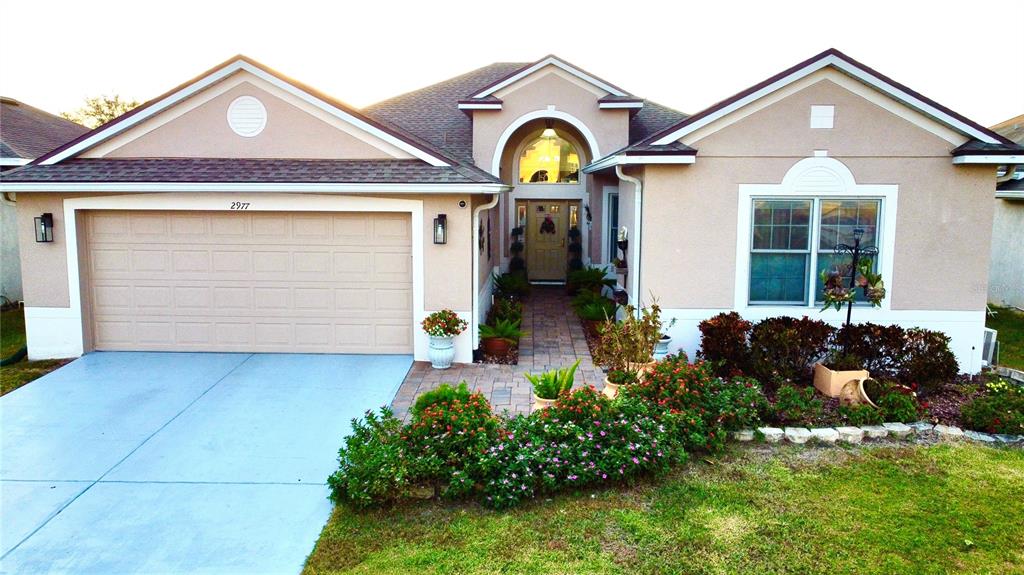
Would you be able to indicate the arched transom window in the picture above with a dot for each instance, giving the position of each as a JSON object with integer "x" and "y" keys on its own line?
{"x": 549, "y": 159}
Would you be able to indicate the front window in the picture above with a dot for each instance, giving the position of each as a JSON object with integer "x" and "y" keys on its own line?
{"x": 792, "y": 242}
{"x": 549, "y": 159}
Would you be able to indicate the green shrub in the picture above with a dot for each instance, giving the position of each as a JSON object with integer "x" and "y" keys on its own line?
{"x": 796, "y": 404}
{"x": 740, "y": 404}
{"x": 592, "y": 306}
{"x": 785, "y": 348}
{"x": 901, "y": 407}
{"x": 623, "y": 376}
{"x": 552, "y": 384}
{"x": 581, "y": 406}
{"x": 863, "y": 414}
{"x": 1000, "y": 410}
{"x": 592, "y": 279}
{"x": 512, "y": 285}
{"x": 373, "y": 464}
{"x": 444, "y": 393}
{"x": 724, "y": 342}
{"x": 441, "y": 438}
{"x": 928, "y": 363}
{"x": 506, "y": 309}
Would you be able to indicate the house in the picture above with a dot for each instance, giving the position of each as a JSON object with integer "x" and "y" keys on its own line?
{"x": 246, "y": 211}
{"x": 25, "y": 134}
{"x": 1006, "y": 280}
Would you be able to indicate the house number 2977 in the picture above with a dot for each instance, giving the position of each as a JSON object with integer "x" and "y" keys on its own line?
{"x": 239, "y": 205}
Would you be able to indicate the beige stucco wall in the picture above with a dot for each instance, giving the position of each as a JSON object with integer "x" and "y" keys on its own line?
{"x": 944, "y": 212}
{"x": 290, "y": 132}
{"x": 446, "y": 267}
{"x": 1006, "y": 280}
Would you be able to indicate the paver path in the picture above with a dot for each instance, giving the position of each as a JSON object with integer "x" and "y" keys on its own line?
{"x": 554, "y": 339}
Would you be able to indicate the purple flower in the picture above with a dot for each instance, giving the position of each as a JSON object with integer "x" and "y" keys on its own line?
{"x": 636, "y": 461}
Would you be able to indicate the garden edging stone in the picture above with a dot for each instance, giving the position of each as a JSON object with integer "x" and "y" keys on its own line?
{"x": 797, "y": 435}
{"x": 771, "y": 434}
{"x": 979, "y": 437}
{"x": 850, "y": 434}
{"x": 825, "y": 435}
{"x": 875, "y": 431}
{"x": 898, "y": 430}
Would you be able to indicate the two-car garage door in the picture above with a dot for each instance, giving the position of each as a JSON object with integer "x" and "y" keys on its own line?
{"x": 249, "y": 281}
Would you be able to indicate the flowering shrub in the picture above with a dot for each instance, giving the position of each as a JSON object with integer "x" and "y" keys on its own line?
{"x": 373, "y": 466}
{"x": 863, "y": 414}
{"x": 578, "y": 406}
{"x": 896, "y": 406}
{"x": 724, "y": 342}
{"x": 540, "y": 455}
{"x": 785, "y": 348}
{"x": 796, "y": 404}
{"x": 1000, "y": 410}
{"x": 444, "y": 323}
{"x": 443, "y": 438}
{"x": 444, "y": 393}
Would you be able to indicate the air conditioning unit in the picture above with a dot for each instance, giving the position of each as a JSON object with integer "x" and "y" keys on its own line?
{"x": 990, "y": 348}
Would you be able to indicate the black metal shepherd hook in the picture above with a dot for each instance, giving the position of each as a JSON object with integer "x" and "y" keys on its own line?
{"x": 857, "y": 251}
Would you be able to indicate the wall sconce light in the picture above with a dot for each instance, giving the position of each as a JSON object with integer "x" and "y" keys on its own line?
{"x": 44, "y": 228}
{"x": 441, "y": 229}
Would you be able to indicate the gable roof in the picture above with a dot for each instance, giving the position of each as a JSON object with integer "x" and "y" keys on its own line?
{"x": 389, "y": 133}
{"x": 433, "y": 112}
{"x": 990, "y": 142}
{"x": 549, "y": 60}
{"x": 28, "y": 132}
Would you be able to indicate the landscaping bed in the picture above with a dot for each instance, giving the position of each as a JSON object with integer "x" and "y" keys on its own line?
{"x": 755, "y": 509}
{"x": 12, "y": 338}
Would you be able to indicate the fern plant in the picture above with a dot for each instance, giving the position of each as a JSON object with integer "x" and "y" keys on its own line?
{"x": 502, "y": 329}
{"x": 550, "y": 384}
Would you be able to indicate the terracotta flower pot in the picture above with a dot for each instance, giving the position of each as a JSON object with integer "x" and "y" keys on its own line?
{"x": 641, "y": 369}
{"x": 611, "y": 390}
{"x": 496, "y": 346}
{"x": 540, "y": 403}
{"x": 830, "y": 383}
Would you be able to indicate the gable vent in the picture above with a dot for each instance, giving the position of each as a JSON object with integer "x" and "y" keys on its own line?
{"x": 247, "y": 116}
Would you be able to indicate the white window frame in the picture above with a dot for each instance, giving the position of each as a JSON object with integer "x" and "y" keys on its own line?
{"x": 813, "y": 178}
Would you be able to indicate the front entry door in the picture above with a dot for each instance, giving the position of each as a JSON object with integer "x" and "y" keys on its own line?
{"x": 546, "y": 236}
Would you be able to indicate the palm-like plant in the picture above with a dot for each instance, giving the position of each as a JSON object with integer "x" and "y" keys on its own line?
{"x": 550, "y": 384}
{"x": 505, "y": 329}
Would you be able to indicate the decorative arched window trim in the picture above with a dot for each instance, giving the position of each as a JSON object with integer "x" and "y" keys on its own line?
{"x": 536, "y": 136}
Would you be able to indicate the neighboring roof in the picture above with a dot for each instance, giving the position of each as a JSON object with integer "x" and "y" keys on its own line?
{"x": 26, "y": 132}
{"x": 1012, "y": 129}
{"x": 432, "y": 112}
{"x": 393, "y": 134}
{"x": 994, "y": 142}
{"x": 245, "y": 170}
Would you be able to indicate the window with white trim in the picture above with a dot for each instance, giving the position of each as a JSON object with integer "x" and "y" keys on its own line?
{"x": 792, "y": 242}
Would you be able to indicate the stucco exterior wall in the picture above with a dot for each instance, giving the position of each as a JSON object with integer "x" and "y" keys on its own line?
{"x": 203, "y": 132}
{"x": 1006, "y": 280}
{"x": 10, "y": 267}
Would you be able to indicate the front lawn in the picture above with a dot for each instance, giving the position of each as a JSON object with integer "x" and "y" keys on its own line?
{"x": 12, "y": 338}
{"x": 941, "y": 509}
{"x": 1010, "y": 325}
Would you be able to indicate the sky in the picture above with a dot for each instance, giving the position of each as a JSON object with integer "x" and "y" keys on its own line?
{"x": 681, "y": 54}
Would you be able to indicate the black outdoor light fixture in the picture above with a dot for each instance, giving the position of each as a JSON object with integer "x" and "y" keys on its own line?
{"x": 441, "y": 229}
{"x": 44, "y": 228}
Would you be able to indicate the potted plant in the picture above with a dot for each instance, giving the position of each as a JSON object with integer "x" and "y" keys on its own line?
{"x": 442, "y": 327}
{"x": 549, "y": 385}
{"x": 594, "y": 311}
{"x": 616, "y": 378}
{"x": 833, "y": 374}
{"x": 628, "y": 345}
{"x": 661, "y": 347}
{"x": 497, "y": 339}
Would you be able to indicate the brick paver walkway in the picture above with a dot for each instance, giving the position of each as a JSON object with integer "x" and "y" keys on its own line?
{"x": 554, "y": 339}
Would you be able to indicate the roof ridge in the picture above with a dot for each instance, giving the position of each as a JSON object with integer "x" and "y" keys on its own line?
{"x": 445, "y": 81}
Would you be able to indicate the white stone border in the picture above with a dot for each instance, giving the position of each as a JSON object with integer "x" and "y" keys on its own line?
{"x": 856, "y": 435}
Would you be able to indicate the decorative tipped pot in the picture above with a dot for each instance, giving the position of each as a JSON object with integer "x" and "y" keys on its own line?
{"x": 831, "y": 383}
{"x": 441, "y": 352}
{"x": 540, "y": 403}
{"x": 611, "y": 390}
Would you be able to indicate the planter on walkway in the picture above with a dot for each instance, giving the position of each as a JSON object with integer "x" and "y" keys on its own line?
{"x": 441, "y": 352}
{"x": 540, "y": 403}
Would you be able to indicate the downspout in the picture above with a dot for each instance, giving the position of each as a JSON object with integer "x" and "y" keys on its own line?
{"x": 475, "y": 323}
{"x": 638, "y": 230}
{"x": 1010, "y": 171}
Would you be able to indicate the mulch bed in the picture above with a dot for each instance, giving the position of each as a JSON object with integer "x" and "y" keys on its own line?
{"x": 511, "y": 358}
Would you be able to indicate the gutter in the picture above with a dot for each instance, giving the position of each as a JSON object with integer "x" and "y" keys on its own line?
{"x": 638, "y": 227}
{"x": 475, "y": 323}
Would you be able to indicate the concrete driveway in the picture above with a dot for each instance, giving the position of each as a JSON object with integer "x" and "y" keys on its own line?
{"x": 178, "y": 462}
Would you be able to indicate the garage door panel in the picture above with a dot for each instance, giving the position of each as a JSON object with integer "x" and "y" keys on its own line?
{"x": 251, "y": 282}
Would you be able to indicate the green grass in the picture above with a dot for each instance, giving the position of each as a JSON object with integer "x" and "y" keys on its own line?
{"x": 942, "y": 509}
{"x": 1010, "y": 325}
{"x": 12, "y": 338}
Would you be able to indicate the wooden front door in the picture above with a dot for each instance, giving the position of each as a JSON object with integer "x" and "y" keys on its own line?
{"x": 546, "y": 237}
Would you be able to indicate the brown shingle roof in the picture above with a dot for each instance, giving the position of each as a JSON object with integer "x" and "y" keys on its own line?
{"x": 27, "y": 132}
{"x": 246, "y": 170}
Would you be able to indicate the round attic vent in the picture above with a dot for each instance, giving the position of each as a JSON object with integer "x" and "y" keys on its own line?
{"x": 247, "y": 116}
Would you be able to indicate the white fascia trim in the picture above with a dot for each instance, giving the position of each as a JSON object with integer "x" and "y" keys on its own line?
{"x": 620, "y": 105}
{"x": 60, "y": 330}
{"x": 1010, "y": 195}
{"x": 791, "y": 187}
{"x": 988, "y": 159}
{"x": 14, "y": 161}
{"x": 849, "y": 69}
{"x": 489, "y": 106}
{"x": 308, "y": 188}
{"x": 219, "y": 75}
{"x": 552, "y": 62}
{"x": 624, "y": 160}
